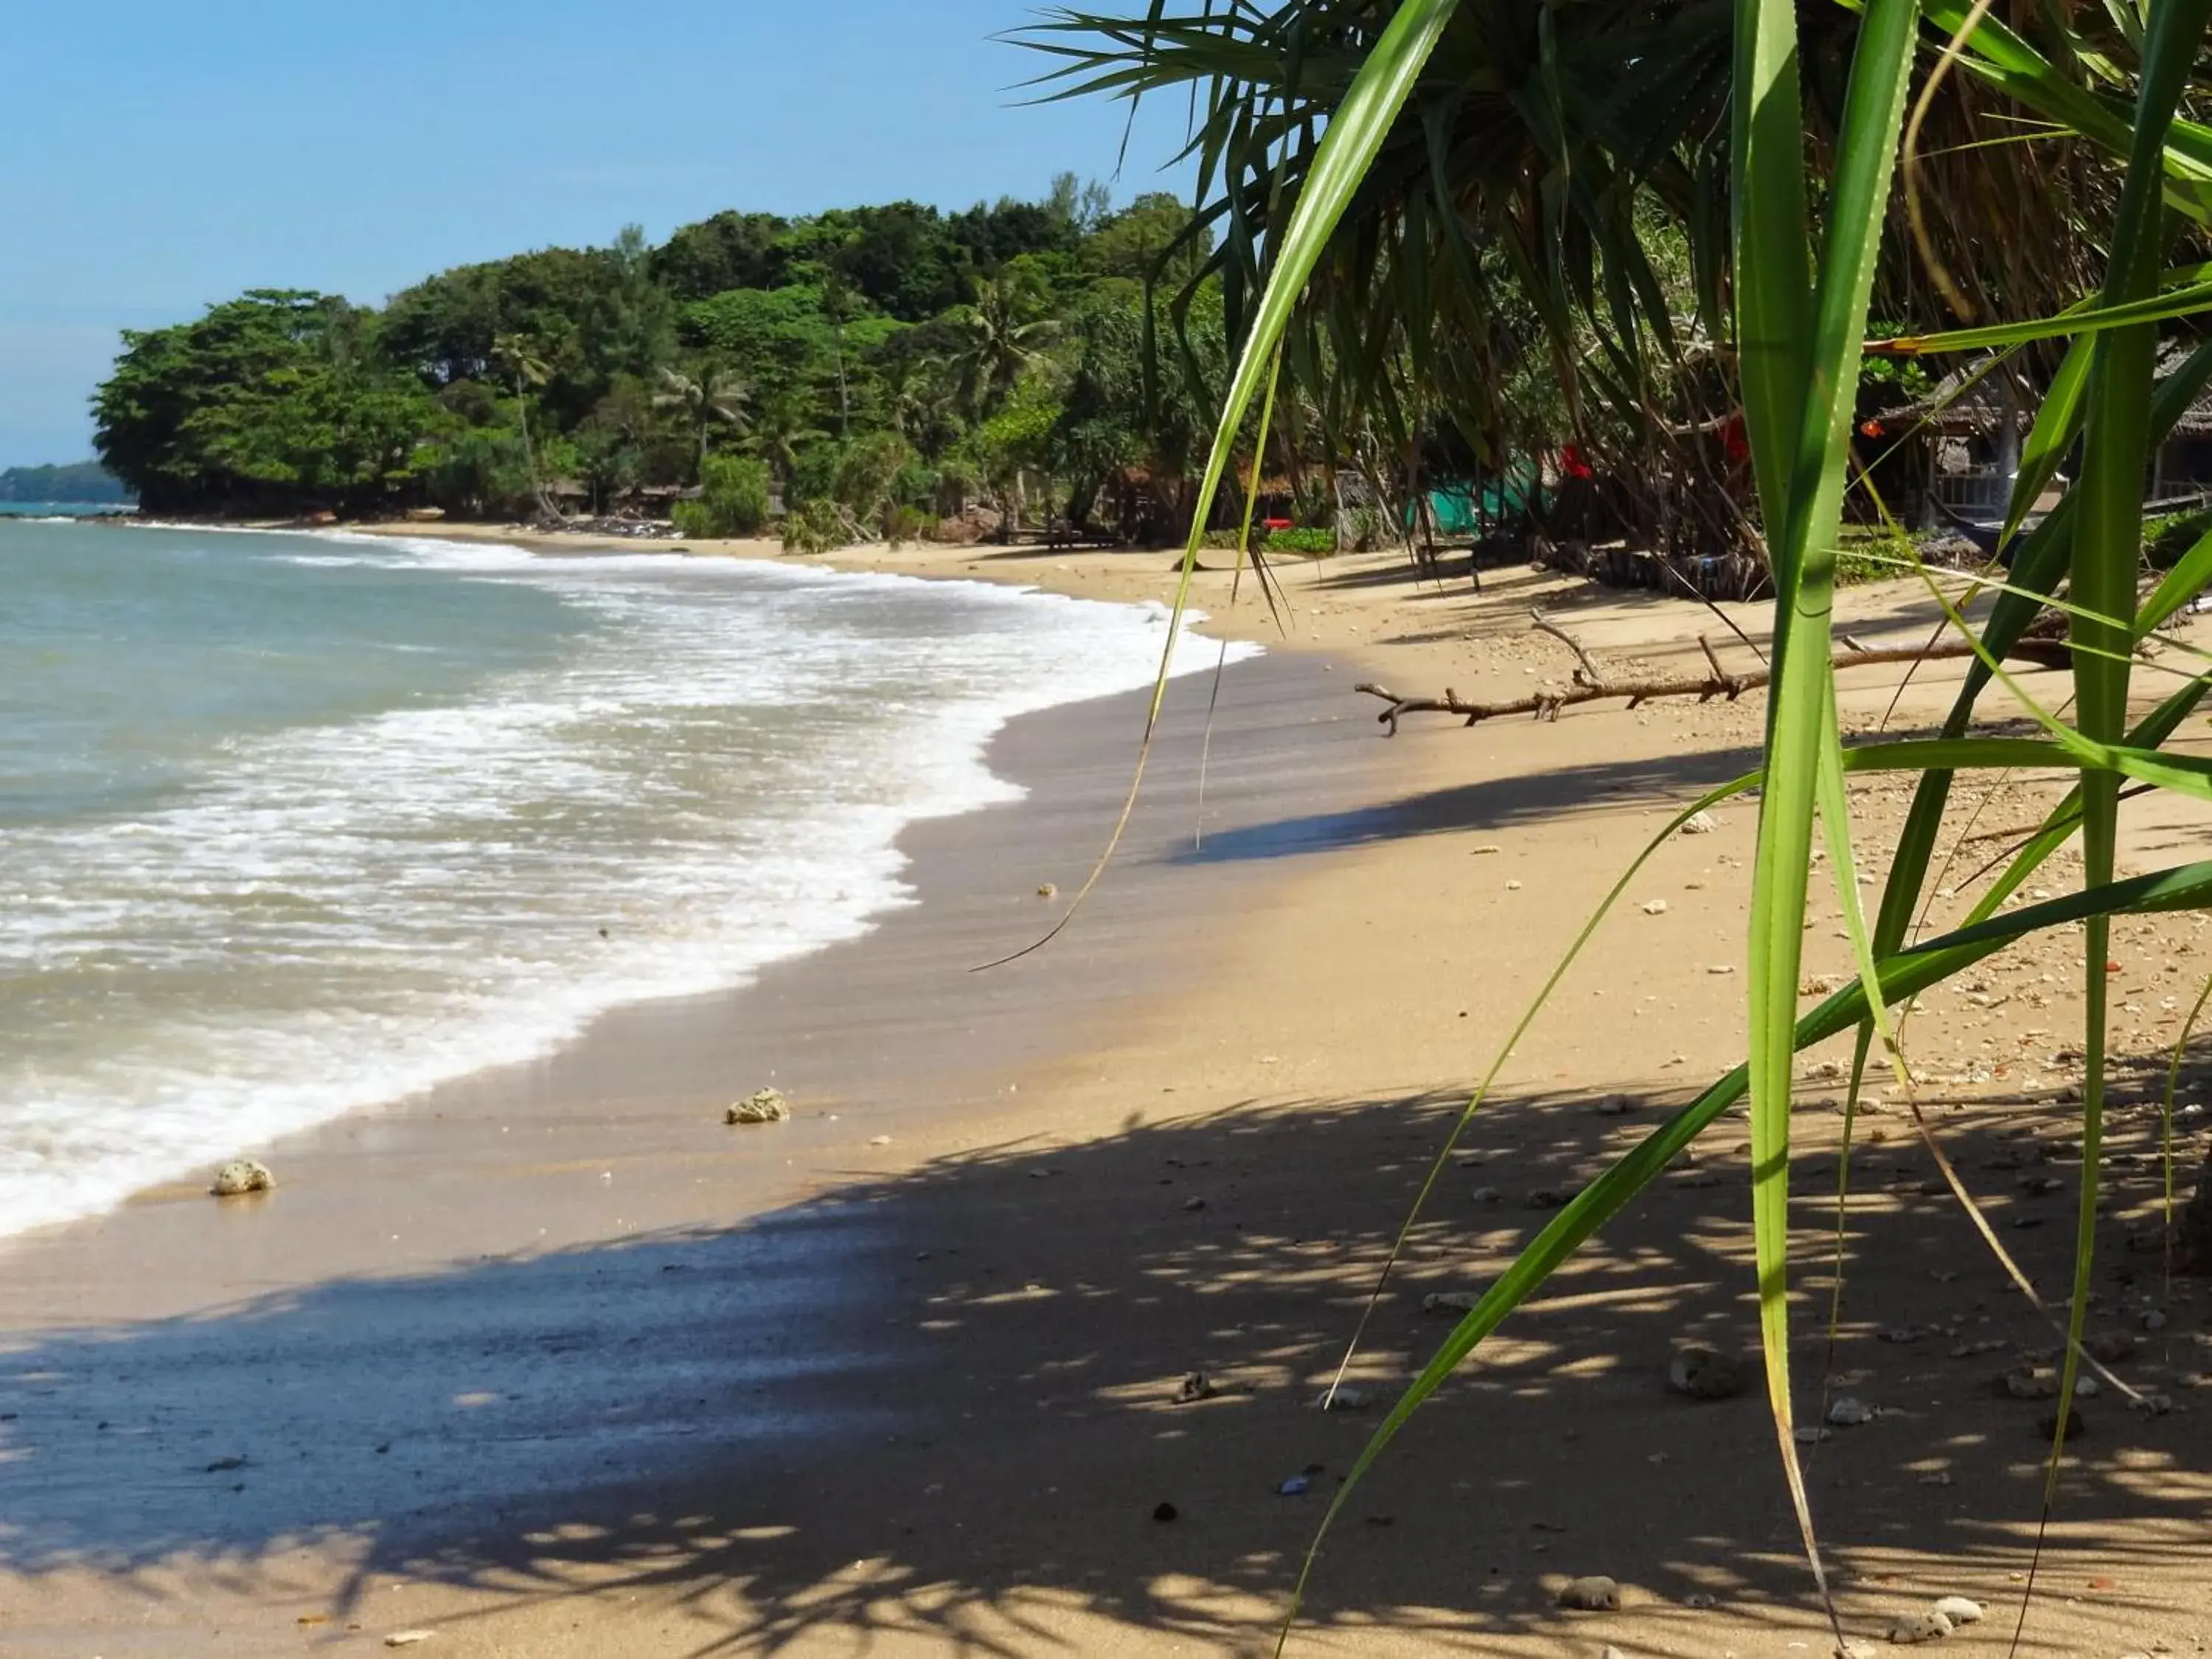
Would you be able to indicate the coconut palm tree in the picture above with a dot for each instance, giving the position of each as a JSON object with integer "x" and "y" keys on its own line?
{"x": 784, "y": 426}
{"x": 716, "y": 397}
{"x": 516, "y": 357}
{"x": 1003, "y": 335}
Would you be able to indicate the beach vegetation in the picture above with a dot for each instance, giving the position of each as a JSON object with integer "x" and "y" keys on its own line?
{"x": 1033, "y": 361}
{"x": 716, "y": 396}
{"x": 274, "y": 397}
{"x": 1373, "y": 155}
{"x": 734, "y": 498}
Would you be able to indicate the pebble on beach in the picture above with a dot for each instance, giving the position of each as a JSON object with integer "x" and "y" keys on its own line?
{"x": 1596, "y": 1594}
{"x": 242, "y": 1175}
{"x": 2029, "y": 1381}
{"x": 762, "y": 1106}
{"x": 1704, "y": 1373}
{"x": 1911, "y": 1627}
{"x": 1960, "y": 1610}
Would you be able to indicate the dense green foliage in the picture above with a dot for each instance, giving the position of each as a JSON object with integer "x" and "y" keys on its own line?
{"x": 733, "y": 498}
{"x": 898, "y": 362}
{"x": 79, "y": 483}
{"x": 1539, "y": 254}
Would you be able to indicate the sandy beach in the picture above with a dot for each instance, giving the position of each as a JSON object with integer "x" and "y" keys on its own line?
{"x": 552, "y": 1363}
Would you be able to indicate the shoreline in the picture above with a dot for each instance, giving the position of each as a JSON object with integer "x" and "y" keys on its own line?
{"x": 952, "y": 776}
{"x": 690, "y": 1436}
{"x": 646, "y": 1082}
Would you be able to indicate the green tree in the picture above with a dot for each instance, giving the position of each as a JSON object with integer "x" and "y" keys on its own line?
{"x": 513, "y": 355}
{"x": 784, "y": 430}
{"x": 473, "y": 387}
{"x": 775, "y": 338}
{"x": 730, "y": 250}
{"x": 716, "y": 396}
{"x": 1003, "y": 334}
{"x": 1012, "y": 449}
{"x": 1080, "y": 207}
{"x": 733, "y": 499}
{"x": 1154, "y": 238}
{"x": 270, "y": 403}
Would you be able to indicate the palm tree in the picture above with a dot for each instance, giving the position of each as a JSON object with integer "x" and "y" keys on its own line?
{"x": 718, "y": 397}
{"x": 840, "y": 304}
{"x": 1004, "y": 338}
{"x": 1546, "y": 212}
{"x": 785, "y": 426}
{"x": 516, "y": 357}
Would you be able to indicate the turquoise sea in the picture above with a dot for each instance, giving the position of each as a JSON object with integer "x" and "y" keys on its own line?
{"x": 291, "y": 825}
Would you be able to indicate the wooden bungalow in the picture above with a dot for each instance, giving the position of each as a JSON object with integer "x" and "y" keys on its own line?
{"x": 1955, "y": 452}
{"x": 2181, "y": 472}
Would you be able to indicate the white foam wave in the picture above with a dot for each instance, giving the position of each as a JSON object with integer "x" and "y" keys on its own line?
{"x": 338, "y": 917}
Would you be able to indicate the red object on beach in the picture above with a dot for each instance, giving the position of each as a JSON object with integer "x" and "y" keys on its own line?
{"x": 1733, "y": 442}
{"x": 1573, "y": 464}
{"x": 1275, "y": 523}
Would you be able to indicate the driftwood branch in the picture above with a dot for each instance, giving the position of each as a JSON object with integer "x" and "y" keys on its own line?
{"x": 1589, "y": 688}
{"x": 1713, "y": 657}
{"x": 1591, "y": 674}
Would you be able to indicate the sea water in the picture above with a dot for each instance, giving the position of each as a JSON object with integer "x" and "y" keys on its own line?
{"x": 292, "y": 825}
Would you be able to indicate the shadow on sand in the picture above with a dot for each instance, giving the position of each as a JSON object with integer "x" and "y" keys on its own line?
{"x": 1549, "y": 798}
{"x": 946, "y": 1403}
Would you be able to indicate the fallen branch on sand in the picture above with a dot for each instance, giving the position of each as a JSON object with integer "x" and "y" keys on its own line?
{"x": 1590, "y": 685}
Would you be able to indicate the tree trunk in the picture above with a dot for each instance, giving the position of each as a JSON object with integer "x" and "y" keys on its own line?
{"x": 529, "y": 450}
{"x": 844, "y": 407}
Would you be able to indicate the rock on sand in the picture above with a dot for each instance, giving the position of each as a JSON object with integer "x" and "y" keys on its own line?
{"x": 1704, "y": 1372}
{"x": 762, "y": 1106}
{"x": 242, "y": 1175}
{"x": 1596, "y": 1594}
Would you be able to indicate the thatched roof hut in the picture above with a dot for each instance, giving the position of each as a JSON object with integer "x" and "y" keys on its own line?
{"x": 1970, "y": 402}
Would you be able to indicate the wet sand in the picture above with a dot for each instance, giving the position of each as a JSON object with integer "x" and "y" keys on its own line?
{"x": 922, "y": 1398}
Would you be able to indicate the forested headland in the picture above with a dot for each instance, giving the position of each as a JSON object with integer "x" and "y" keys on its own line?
{"x": 81, "y": 484}
{"x": 872, "y": 369}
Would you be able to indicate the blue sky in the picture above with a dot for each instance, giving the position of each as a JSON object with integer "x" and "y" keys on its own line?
{"x": 155, "y": 157}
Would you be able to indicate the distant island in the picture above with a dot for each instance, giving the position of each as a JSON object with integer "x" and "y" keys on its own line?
{"x": 84, "y": 483}
{"x": 866, "y": 372}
